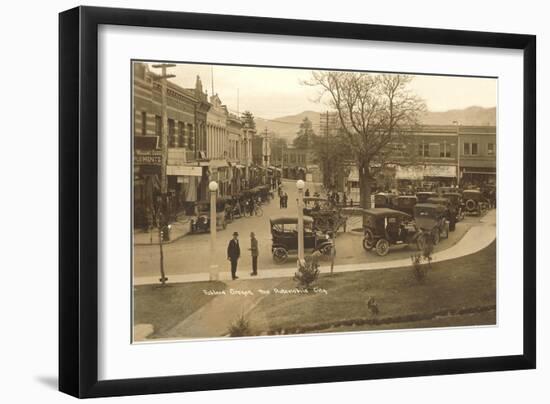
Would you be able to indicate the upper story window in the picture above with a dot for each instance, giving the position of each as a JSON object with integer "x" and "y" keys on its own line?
{"x": 158, "y": 125}
{"x": 172, "y": 133}
{"x": 424, "y": 150}
{"x": 143, "y": 123}
{"x": 490, "y": 149}
{"x": 444, "y": 150}
{"x": 466, "y": 149}
{"x": 475, "y": 149}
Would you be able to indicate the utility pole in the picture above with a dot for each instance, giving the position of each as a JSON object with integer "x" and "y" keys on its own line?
{"x": 164, "y": 133}
{"x": 265, "y": 154}
{"x": 457, "y": 124}
{"x": 326, "y": 153}
{"x": 163, "y": 205}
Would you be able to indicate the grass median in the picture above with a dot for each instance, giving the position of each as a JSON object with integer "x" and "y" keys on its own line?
{"x": 458, "y": 287}
{"x": 457, "y": 292}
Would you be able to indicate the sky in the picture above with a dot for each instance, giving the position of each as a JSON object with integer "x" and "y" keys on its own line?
{"x": 275, "y": 92}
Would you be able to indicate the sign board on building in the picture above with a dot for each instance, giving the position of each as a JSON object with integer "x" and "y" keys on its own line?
{"x": 190, "y": 171}
{"x": 147, "y": 157}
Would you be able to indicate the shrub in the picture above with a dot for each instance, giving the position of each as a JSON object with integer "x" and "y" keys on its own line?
{"x": 240, "y": 327}
{"x": 422, "y": 261}
{"x": 307, "y": 273}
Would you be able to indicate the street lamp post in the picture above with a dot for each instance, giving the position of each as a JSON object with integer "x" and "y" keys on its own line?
{"x": 300, "y": 186}
{"x": 213, "y": 187}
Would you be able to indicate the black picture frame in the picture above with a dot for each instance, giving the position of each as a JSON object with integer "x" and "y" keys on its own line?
{"x": 78, "y": 196}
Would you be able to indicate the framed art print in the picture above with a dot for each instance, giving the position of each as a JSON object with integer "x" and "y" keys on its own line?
{"x": 249, "y": 201}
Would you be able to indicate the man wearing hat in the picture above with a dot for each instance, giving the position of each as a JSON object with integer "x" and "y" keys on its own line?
{"x": 233, "y": 254}
{"x": 254, "y": 251}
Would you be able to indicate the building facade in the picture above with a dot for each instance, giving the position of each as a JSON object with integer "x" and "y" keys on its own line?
{"x": 186, "y": 123}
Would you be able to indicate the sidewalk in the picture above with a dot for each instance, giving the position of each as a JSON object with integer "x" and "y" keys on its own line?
{"x": 178, "y": 229}
{"x": 476, "y": 238}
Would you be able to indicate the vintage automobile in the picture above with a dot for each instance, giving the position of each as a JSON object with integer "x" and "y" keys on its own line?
{"x": 430, "y": 219}
{"x": 200, "y": 223}
{"x": 384, "y": 227}
{"x": 423, "y": 196}
{"x": 455, "y": 199}
{"x": 450, "y": 213}
{"x": 284, "y": 236}
{"x": 404, "y": 203}
{"x": 446, "y": 190}
{"x": 383, "y": 200}
{"x": 474, "y": 202}
{"x": 326, "y": 216}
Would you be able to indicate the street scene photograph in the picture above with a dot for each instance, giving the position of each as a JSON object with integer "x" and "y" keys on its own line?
{"x": 290, "y": 201}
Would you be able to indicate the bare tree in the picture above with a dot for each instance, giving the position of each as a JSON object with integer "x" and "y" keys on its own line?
{"x": 374, "y": 111}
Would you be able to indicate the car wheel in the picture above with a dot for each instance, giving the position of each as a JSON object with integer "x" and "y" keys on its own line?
{"x": 382, "y": 247}
{"x": 470, "y": 205}
{"x": 368, "y": 241}
{"x": 445, "y": 233}
{"x": 436, "y": 236}
{"x": 280, "y": 255}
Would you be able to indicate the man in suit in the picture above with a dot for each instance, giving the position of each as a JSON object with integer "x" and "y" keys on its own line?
{"x": 233, "y": 254}
{"x": 254, "y": 252}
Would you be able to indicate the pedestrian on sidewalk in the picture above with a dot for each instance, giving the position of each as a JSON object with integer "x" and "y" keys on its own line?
{"x": 254, "y": 252}
{"x": 233, "y": 254}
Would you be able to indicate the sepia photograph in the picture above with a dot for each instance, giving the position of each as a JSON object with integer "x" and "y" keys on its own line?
{"x": 280, "y": 201}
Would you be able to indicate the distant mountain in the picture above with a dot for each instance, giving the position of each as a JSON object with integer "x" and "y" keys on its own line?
{"x": 475, "y": 116}
{"x": 286, "y": 126}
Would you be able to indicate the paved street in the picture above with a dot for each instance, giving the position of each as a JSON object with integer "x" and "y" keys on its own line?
{"x": 191, "y": 254}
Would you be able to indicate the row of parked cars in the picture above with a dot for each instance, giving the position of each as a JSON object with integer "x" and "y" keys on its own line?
{"x": 415, "y": 220}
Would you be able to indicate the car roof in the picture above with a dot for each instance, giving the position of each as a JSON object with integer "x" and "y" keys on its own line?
{"x": 426, "y": 192}
{"x": 385, "y": 212}
{"x": 436, "y": 200}
{"x": 452, "y": 193}
{"x": 314, "y": 198}
{"x": 289, "y": 220}
{"x": 473, "y": 191}
{"x": 407, "y": 196}
{"x": 428, "y": 206}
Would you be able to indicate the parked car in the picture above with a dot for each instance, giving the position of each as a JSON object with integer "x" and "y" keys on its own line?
{"x": 450, "y": 214}
{"x": 474, "y": 202}
{"x": 326, "y": 216}
{"x": 423, "y": 196}
{"x": 457, "y": 206}
{"x": 284, "y": 236}
{"x": 200, "y": 223}
{"x": 386, "y": 227}
{"x": 383, "y": 200}
{"x": 405, "y": 203}
{"x": 430, "y": 219}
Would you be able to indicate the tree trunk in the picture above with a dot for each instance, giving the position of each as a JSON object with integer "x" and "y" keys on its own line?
{"x": 364, "y": 186}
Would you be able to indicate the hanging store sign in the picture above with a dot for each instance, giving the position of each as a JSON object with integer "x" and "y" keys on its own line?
{"x": 190, "y": 171}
